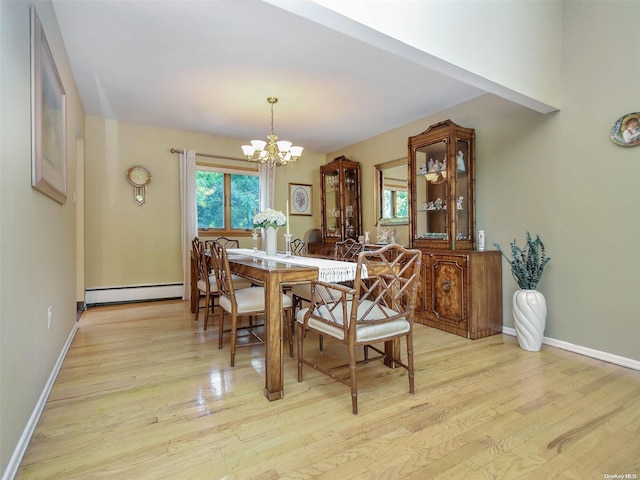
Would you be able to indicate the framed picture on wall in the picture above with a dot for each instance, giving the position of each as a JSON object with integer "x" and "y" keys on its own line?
{"x": 300, "y": 199}
{"x": 48, "y": 118}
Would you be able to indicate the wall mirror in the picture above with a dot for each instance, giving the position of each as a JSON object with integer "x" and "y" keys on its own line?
{"x": 392, "y": 196}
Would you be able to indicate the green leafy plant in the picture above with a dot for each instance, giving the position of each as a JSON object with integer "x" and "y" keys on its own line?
{"x": 527, "y": 264}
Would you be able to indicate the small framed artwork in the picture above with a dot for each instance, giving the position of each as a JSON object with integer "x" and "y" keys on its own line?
{"x": 626, "y": 130}
{"x": 300, "y": 199}
{"x": 48, "y": 118}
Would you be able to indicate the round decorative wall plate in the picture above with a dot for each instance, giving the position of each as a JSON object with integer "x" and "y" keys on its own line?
{"x": 626, "y": 130}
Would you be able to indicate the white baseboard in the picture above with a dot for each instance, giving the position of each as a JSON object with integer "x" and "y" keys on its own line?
{"x": 25, "y": 438}
{"x": 133, "y": 293}
{"x": 588, "y": 352}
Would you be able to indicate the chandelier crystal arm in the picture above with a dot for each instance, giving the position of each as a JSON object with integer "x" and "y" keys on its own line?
{"x": 278, "y": 153}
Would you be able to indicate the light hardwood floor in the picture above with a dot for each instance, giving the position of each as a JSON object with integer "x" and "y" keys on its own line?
{"x": 144, "y": 393}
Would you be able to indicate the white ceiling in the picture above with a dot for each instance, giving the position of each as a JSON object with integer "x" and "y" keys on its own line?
{"x": 208, "y": 67}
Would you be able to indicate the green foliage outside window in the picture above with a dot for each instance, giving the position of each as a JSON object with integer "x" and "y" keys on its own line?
{"x": 245, "y": 200}
{"x": 210, "y": 194}
{"x": 402, "y": 204}
{"x": 395, "y": 198}
{"x": 210, "y": 199}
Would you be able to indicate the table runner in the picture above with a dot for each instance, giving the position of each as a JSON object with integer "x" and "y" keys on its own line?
{"x": 333, "y": 271}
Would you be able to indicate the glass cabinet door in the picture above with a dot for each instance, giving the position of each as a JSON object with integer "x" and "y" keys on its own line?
{"x": 332, "y": 218}
{"x": 341, "y": 217}
{"x": 432, "y": 191}
{"x": 463, "y": 220}
{"x": 442, "y": 163}
{"x": 351, "y": 229}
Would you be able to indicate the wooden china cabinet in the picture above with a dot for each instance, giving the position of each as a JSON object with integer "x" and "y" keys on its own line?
{"x": 341, "y": 214}
{"x": 460, "y": 290}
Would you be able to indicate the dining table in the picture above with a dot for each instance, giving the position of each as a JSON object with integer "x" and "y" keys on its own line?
{"x": 275, "y": 271}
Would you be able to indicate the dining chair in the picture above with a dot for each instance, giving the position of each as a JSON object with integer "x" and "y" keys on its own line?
{"x": 380, "y": 309}
{"x": 206, "y": 280}
{"x": 194, "y": 260}
{"x": 346, "y": 251}
{"x": 205, "y": 283}
{"x": 313, "y": 235}
{"x": 243, "y": 302}
{"x": 225, "y": 242}
{"x": 298, "y": 247}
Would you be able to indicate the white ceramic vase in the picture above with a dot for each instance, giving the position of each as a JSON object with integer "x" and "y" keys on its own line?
{"x": 270, "y": 240}
{"x": 530, "y": 318}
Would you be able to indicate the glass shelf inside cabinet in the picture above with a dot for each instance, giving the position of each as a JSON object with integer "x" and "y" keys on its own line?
{"x": 432, "y": 191}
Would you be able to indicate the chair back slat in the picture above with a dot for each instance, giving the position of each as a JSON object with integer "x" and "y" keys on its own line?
{"x": 222, "y": 270}
{"x": 392, "y": 283}
{"x": 298, "y": 247}
{"x": 228, "y": 242}
{"x": 387, "y": 293}
{"x": 202, "y": 265}
{"x": 224, "y": 241}
{"x": 347, "y": 250}
{"x": 390, "y": 289}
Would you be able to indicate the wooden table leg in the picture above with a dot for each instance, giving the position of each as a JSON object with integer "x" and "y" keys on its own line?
{"x": 274, "y": 385}
{"x": 391, "y": 350}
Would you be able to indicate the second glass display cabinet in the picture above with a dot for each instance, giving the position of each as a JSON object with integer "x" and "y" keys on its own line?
{"x": 442, "y": 177}
{"x": 341, "y": 216}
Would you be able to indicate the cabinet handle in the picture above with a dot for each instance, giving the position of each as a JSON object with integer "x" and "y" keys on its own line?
{"x": 446, "y": 285}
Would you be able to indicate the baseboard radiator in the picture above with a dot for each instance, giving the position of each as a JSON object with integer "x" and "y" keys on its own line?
{"x": 132, "y": 293}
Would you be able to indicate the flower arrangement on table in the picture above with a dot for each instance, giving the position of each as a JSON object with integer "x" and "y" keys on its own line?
{"x": 269, "y": 218}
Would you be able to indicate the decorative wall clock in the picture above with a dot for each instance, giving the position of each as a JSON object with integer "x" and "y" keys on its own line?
{"x": 626, "y": 130}
{"x": 139, "y": 177}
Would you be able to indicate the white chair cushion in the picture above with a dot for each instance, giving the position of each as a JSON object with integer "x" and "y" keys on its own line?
{"x": 365, "y": 332}
{"x": 250, "y": 300}
{"x": 238, "y": 282}
{"x": 213, "y": 286}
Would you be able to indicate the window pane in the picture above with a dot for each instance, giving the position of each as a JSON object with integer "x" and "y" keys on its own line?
{"x": 386, "y": 204}
{"x": 245, "y": 200}
{"x": 210, "y": 199}
{"x": 402, "y": 204}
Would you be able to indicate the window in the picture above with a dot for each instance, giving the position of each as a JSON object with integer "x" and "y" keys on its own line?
{"x": 395, "y": 203}
{"x": 226, "y": 199}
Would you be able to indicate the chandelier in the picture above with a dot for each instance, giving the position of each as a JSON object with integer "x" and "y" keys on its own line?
{"x": 277, "y": 153}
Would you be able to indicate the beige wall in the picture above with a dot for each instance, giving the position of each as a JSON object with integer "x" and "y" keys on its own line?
{"x": 37, "y": 234}
{"x": 561, "y": 176}
{"x": 130, "y": 245}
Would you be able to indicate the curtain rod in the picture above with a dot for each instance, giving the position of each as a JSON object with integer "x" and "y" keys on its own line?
{"x": 223, "y": 157}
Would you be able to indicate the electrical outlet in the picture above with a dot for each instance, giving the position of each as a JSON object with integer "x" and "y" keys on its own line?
{"x": 49, "y": 316}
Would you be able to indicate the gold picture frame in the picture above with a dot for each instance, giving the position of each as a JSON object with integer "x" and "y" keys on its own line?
{"x": 48, "y": 118}
{"x": 300, "y": 199}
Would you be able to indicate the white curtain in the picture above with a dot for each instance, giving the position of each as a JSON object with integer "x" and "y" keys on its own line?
{"x": 189, "y": 214}
{"x": 267, "y": 173}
